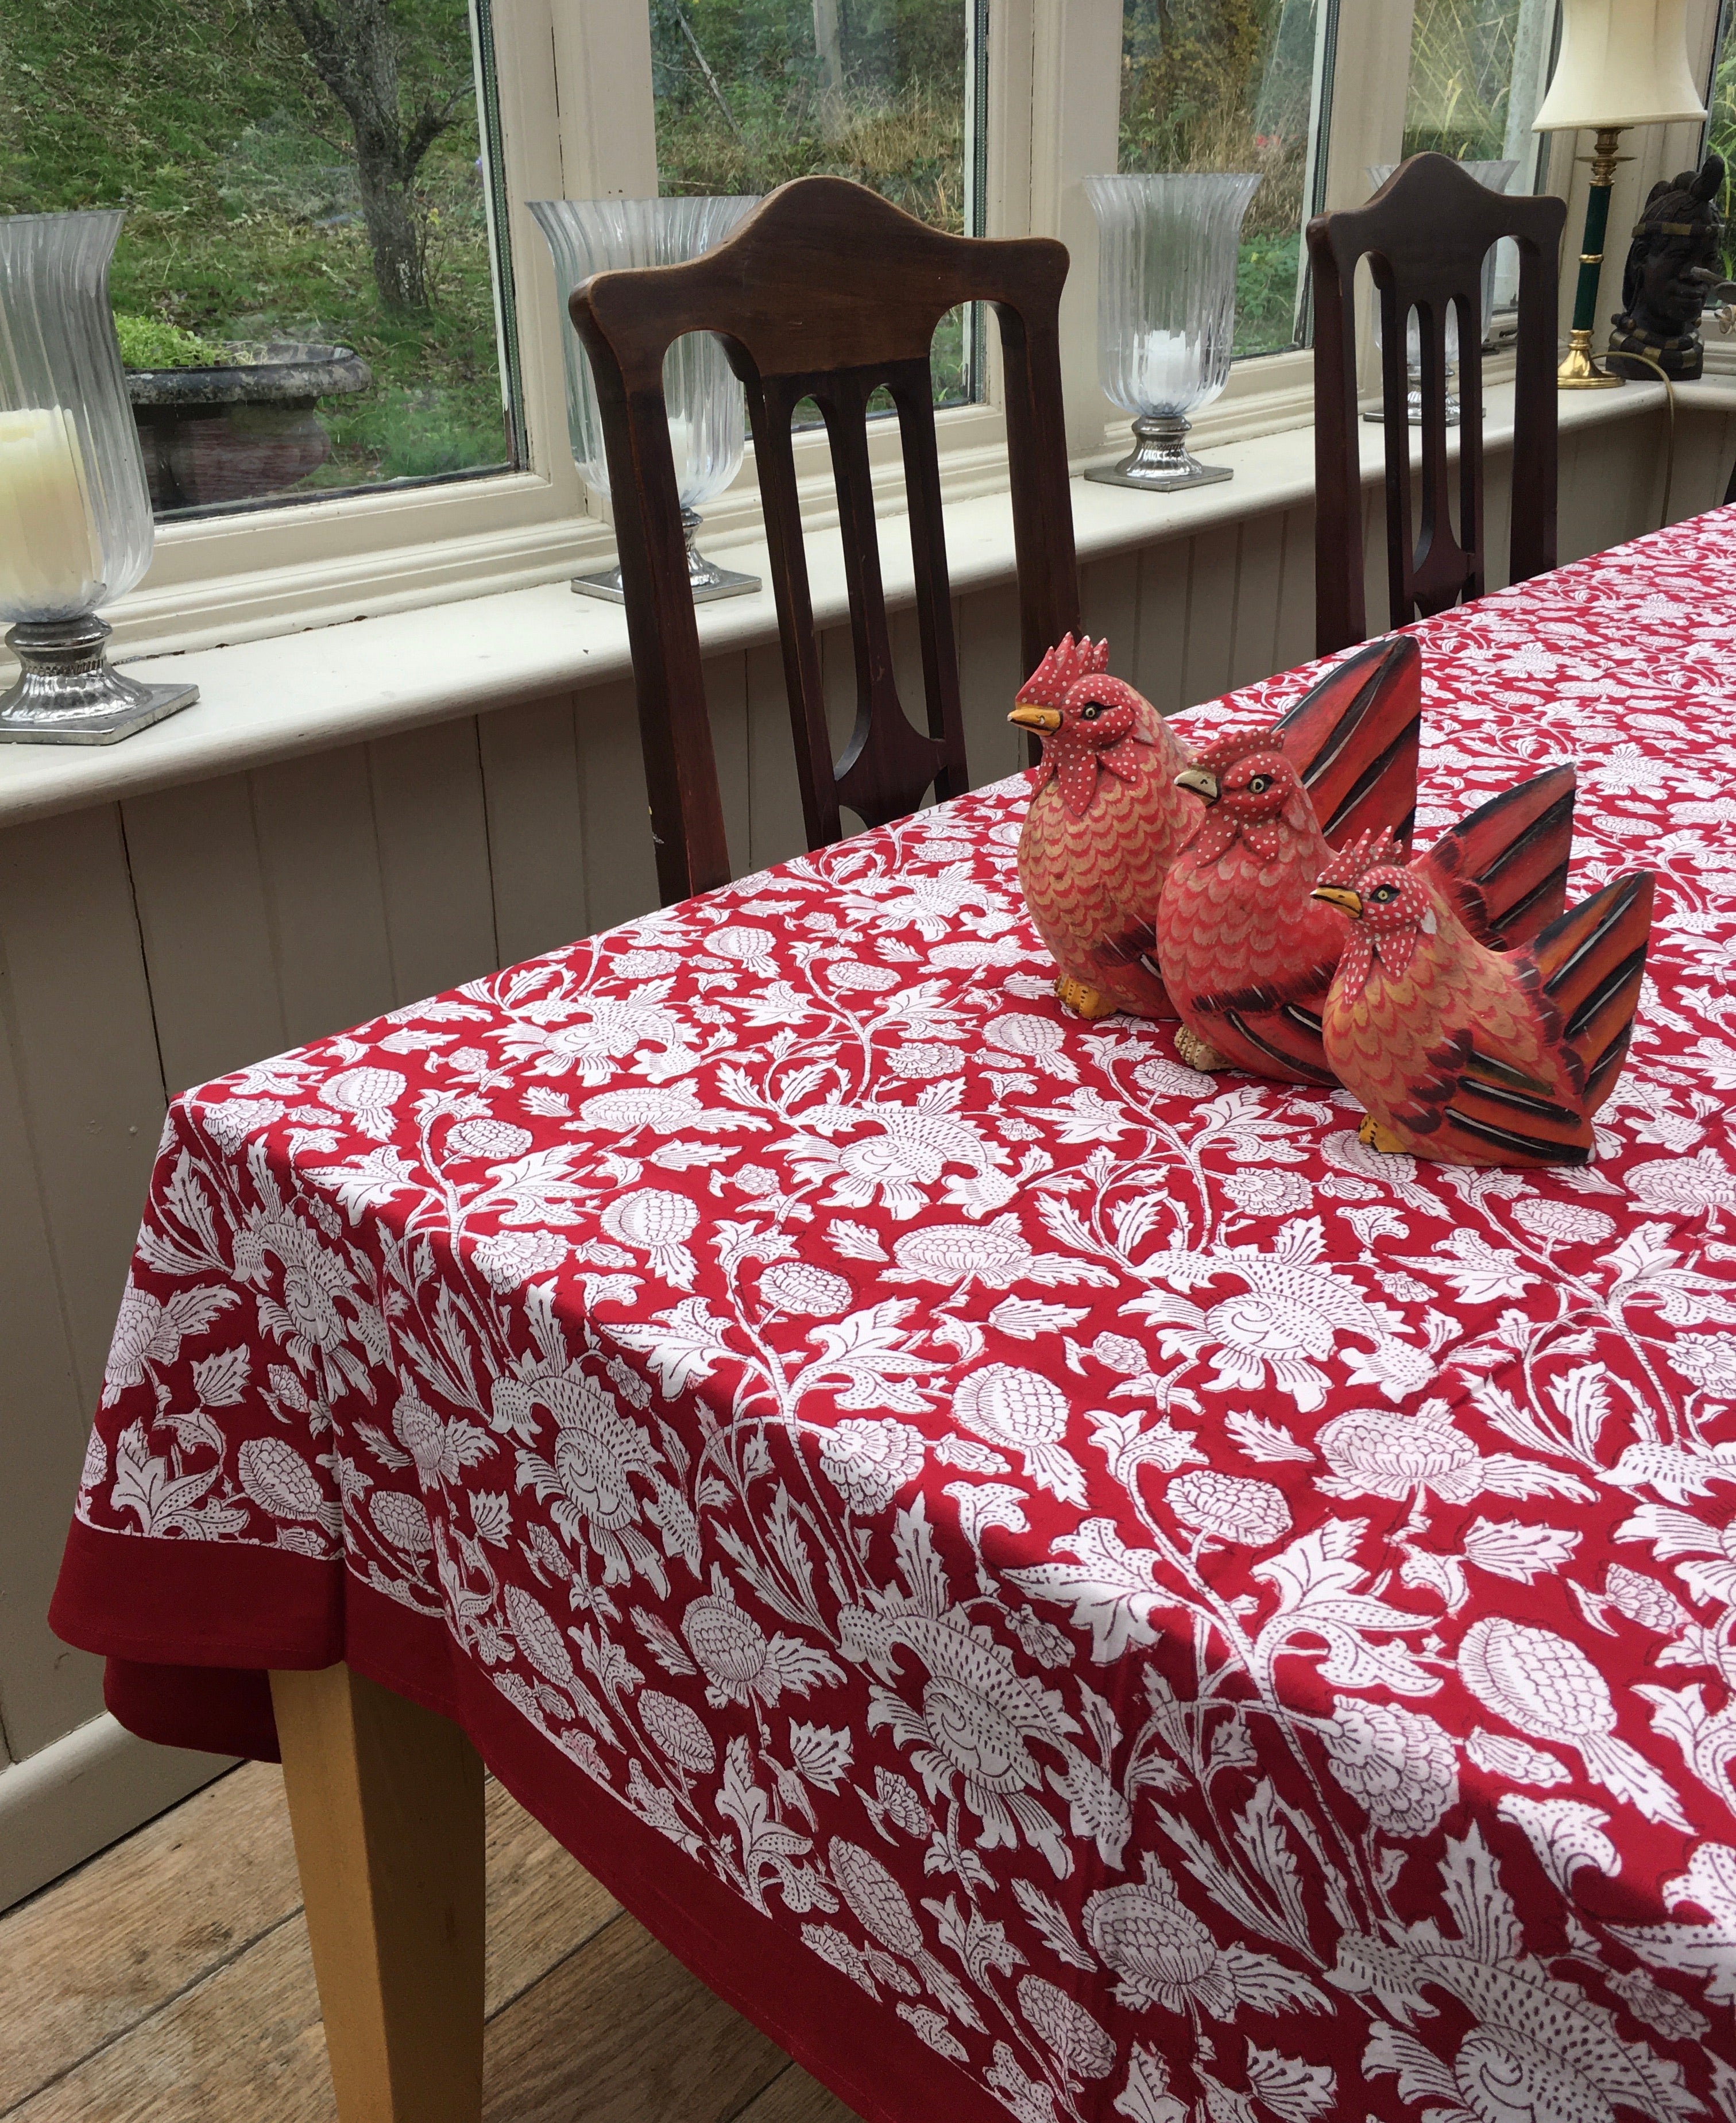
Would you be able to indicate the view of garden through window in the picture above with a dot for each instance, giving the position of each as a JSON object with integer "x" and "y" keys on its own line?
{"x": 750, "y": 93}
{"x": 1230, "y": 85}
{"x": 299, "y": 176}
{"x": 1720, "y": 131}
{"x": 1477, "y": 79}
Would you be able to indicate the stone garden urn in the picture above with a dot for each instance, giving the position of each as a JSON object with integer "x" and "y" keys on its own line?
{"x": 244, "y": 430}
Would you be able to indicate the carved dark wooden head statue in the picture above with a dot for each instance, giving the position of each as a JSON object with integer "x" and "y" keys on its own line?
{"x": 1674, "y": 260}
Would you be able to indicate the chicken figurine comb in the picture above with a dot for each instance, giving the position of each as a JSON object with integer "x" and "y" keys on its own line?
{"x": 1107, "y": 818}
{"x": 1467, "y": 1055}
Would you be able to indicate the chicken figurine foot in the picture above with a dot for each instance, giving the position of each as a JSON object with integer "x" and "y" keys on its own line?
{"x": 1376, "y": 1137}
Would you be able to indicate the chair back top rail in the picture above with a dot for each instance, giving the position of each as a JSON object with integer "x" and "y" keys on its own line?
{"x": 825, "y": 292}
{"x": 1425, "y": 234}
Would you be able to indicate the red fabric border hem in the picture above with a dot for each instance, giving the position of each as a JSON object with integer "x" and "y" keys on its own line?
{"x": 126, "y": 1596}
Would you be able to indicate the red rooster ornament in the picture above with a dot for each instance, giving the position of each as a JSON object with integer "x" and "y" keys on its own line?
{"x": 1105, "y": 823}
{"x": 1463, "y": 1054}
{"x": 1107, "y": 818}
{"x": 1247, "y": 950}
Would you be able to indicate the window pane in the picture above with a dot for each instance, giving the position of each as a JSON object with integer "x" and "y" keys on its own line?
{"x": 1478, "y": 78}
{"x": 750, "y": 93}
{"x": 1478, "y": 71}
{"x": 1230, "y": 84}
{"x": 1720, "y": 130}
{"x": 304, "y": 293}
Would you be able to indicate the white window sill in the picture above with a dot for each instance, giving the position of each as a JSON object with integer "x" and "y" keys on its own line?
{"x": 309, "y": 691}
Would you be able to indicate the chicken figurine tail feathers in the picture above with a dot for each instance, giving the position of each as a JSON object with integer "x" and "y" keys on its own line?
{"x": 1468, "y": 1056}
{"x": 1353, "y": 739}
{"x": 1505, "y": 864}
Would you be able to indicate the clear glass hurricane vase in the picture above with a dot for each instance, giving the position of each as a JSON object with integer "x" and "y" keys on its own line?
{"x": 1167, "y": 248}
{"x": 1496, "y": 175}
{"x": 708, "y": 415}
{"x": 75, "y": 514}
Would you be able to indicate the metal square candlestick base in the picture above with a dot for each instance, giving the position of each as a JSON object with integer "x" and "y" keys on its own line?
{"x": 1160, "y": 462}
{"x": 69, "y": 693}
{"x": 705, "y": 579}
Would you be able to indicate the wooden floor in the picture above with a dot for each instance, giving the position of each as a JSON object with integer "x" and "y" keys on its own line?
{"x": 168, "y": 1981}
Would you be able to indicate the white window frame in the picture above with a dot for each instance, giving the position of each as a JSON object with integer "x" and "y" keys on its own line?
{"x": 577, "y": 120}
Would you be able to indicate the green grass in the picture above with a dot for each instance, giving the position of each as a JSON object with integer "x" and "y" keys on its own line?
{"x": 202, "y": 119}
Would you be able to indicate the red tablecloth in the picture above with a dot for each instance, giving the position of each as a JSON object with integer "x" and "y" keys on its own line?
{"x": 1064, "y": 1586}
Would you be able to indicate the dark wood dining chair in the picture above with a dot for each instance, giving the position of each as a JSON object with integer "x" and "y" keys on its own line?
{"x": 1424, "y": 234}
{"x": 826, "y": 291}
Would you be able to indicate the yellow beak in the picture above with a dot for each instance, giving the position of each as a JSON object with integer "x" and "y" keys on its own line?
{"x": 1337, "y": 895}
{"x": 1203, "y": 783}
{"x": 1047, "y": 720}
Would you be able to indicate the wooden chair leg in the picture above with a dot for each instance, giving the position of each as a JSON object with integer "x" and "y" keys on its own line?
{"x": 385, "y": 1802}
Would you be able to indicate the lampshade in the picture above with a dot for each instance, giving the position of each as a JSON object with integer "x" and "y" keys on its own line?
{"x": 1622, "y": 63}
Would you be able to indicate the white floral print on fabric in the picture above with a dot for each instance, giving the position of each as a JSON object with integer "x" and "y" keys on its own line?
{"x": 1202, "y": 1621}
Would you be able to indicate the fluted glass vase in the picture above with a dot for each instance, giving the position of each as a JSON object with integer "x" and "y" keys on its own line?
{"x": 1166, "y": 254}
{"x": 708, "y": 413}
{"x": 1496, "y": 175}
{"x": 75, "y": 513}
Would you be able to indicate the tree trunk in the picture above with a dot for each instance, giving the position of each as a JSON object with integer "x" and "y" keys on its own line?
{"x": 394, "y": 230}
{"x": 829, "y": 50}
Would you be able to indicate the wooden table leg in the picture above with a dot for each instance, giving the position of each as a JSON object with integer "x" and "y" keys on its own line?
{"x": 385, "y": 1802}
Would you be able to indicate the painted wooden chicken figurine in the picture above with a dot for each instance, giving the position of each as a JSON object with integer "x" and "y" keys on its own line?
{"x": 1246, "y": 949}
{"x": 1107, "y": 817}
{"x": 1105, "y": 823}
{"x": 1465, "y": 1055}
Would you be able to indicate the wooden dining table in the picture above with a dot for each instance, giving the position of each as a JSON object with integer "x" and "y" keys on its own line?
{"x": 1062, "y": 1586}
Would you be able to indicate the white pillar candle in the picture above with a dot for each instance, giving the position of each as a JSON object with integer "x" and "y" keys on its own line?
{"x": 681, "y": 441}
{"x": 50, "y": 555}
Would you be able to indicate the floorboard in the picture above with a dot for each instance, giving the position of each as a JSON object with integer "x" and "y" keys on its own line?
{"x": 169, "y": 1981}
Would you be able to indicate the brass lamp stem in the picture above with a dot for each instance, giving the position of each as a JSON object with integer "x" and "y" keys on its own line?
{"x": 1579, "y": 372}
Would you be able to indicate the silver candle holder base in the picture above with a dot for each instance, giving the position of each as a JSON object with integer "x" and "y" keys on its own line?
{"x": 1160, "y": 462}
{"x": 69, "y": 693}
{"x": 705, "y": 579}
{"x": 1414, "y": 399}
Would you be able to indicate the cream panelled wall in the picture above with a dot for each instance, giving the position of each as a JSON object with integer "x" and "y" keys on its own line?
{"x": 149, "y": 945}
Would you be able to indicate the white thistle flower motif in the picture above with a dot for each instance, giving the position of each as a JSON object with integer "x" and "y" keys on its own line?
{"x": 509, "y": 1259}
{"x": 1379, "y": 1452}
{"x": 741, "y": 1663}
{"x": 944, "y": 851}
{"x": 656, "y": 1223}
{"x": 95, "y": 1470}
{"x": 914, "y": 1146}
{"x": 665, "y": 1108}
{"x": 1398, "y": 1762}
{"x": 996, "y": 1254}
{"x": 1159, "y": 1079}
{"x": 1709, "y": 1360}
{"x": 485, "y": 1137}
{"x": 1261, "y": 1193}
{"x": 1685, "y": 1186}
{"x": 403, "y": 1520}
{"x": 280, "y": 1481}
{"x": 1230, "y": 1508}
{"x": 1569, "y": 1223}
{"x": 231, "y": 1122}
{"x": 1085, "y": 2050}
{"x": 1026, "y": 1413}
{"x": 369, "y": 1096}
{"x": 812, "y": 1293}
{"x": 1162, "y": 1954}
{"x": 869, "y": 1461}
{"x": 754, "y": 948}
{"x": 917, "y": 1063}
{"x": 644, "y": 965}
{"x": 1547, "y": 1687}
{"x": 1501, "y": 1756}
{"x": 678, "y": 1731}
{"x": 607, "y": 1029}
{"x": 1643, "y": 1600}
{"x": 1039, "y": 1041}
{"x": 1345, "y": 1151}
{"x": 853, "y": 975}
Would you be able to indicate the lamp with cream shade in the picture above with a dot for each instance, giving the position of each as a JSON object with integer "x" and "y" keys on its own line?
{"x": 1622, "y": 63}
